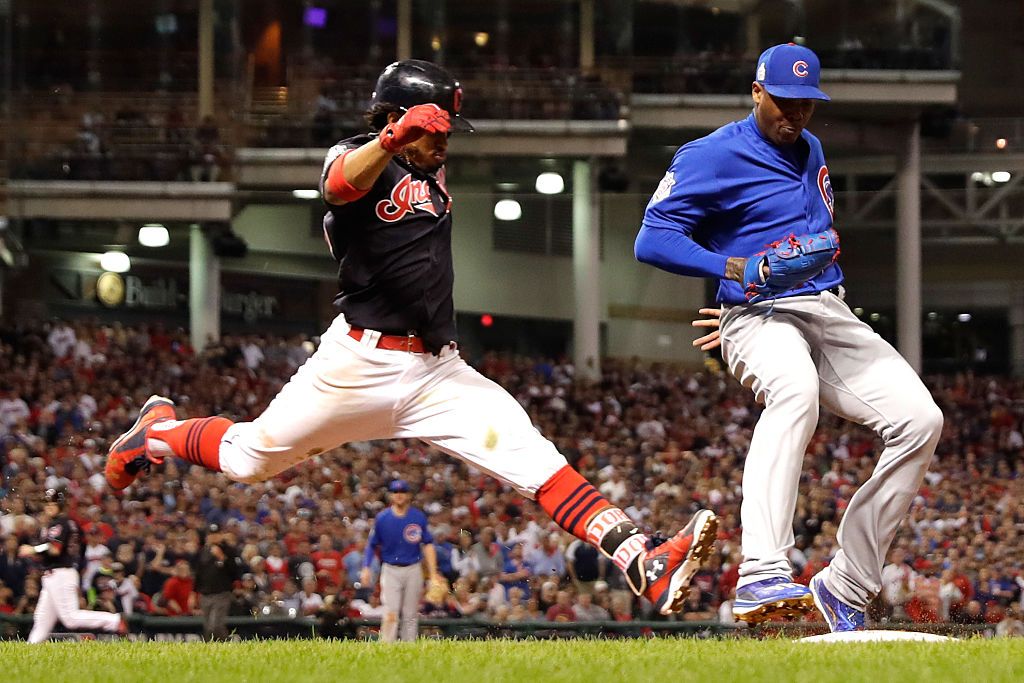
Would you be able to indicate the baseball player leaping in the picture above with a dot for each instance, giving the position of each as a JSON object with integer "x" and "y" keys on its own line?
{"x": 388, "y": 366}
{"x": 59, "y": 551}
{"x": 751, "y": 204}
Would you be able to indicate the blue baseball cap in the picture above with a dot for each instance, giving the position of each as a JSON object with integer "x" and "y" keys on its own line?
{"x": 399, "y": 486}
{"x": 791, "y": 71}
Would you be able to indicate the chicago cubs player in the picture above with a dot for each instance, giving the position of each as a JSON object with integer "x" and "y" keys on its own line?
{"x": 389, "y": 367}
{"x": 401, "y": 537}
{"x": 751, "y": 204}
{"x": 59, "y": 552}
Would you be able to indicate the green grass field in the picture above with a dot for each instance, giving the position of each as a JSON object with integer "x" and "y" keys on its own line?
{"x": 590, "y": 661}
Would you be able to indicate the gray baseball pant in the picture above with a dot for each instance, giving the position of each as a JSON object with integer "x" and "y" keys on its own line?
{"x": 215, "y": 608}
{"x": 799, "y": 352}
{"x": 400, "y": 591}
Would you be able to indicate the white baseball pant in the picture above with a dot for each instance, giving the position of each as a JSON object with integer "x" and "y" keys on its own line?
{"x": 400, "y": 591}
{"x": 58, "y": 599}
{"x": 796, "y": 353}
{"x": 352, "y": 391}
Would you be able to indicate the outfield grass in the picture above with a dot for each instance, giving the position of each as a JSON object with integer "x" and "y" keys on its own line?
{"x": 568, "y": 661}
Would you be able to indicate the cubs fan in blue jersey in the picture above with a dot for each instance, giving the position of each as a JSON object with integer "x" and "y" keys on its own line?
{"x": 389, "y": 365}
{"x": 401, "y": 538}
{"x": 751, "y": 205}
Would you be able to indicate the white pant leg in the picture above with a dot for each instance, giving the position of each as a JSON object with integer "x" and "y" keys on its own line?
{"x": 391, "y": 600}
{"x": 412, "y": 590}
{"x": 45, "y": 616}
{"x": 64, "y": 587}
{"x": 865, "y": 380}
{"x": 346, "y": 391}
{"x": 463, "y": 413}
{"x": 768, "y": 350}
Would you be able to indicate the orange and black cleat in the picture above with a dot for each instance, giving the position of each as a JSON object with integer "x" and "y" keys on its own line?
{"x": 669, "y": 568}
{"x": 127, "y": 455}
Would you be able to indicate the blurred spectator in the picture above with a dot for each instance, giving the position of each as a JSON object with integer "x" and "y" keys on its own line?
{"x": 586, "y": 610}
{"x": 562, "y": 609}
{"x": 178, "y": 594}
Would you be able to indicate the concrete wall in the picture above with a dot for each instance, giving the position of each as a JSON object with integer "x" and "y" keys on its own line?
{"x": 646, "y": 312}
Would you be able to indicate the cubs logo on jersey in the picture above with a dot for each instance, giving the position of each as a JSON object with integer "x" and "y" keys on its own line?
{"x": 412, "y": 533}
{"x": 825, "y": 188}
{"x": 407, "y": 195}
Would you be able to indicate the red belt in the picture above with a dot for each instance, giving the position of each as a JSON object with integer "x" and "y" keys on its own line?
{"x": 392, "y": 342}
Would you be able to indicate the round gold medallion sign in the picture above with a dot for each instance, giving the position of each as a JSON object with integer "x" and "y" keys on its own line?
{"x": 110, "y": 289}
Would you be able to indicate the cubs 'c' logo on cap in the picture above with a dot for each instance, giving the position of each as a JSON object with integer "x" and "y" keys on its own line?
{"x": 825, "y": 188}
{"x": 800, "y": 68}
{"x": 412, "y": 533}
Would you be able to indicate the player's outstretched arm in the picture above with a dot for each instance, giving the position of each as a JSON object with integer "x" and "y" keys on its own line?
{"x": 353, "y": 173}
{"x": 711, "y": 340}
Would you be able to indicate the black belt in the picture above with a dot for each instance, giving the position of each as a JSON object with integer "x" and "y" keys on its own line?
{"x": 392, "y": 564}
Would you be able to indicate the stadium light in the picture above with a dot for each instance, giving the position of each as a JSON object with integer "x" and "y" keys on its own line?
{"x": 154, "y": 235}
{"x": 115, "y": 262}
{"x": 1001, "y": 176}
{"x": 964, "y": 317}
{"x": 507, "y": 210}
{"x": 550, "y": 182}
{"x": 306, "y": 194}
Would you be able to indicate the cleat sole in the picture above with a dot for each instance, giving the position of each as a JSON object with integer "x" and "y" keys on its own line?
{"x": 790, "y": 608}
{"x": 703, "y": 543}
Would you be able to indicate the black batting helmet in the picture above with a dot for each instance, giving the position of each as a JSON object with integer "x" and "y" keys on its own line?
{"x": 414, "y": 81}
{"x": 56, "y": 496}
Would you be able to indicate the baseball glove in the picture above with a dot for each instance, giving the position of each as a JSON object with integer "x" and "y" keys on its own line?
{"x": 791, "y": 262}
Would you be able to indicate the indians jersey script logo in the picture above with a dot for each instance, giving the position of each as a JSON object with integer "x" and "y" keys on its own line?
{"x": 825, "y": 188}
{"x": 407, "y": 195}
{"x": 412, "y": 533}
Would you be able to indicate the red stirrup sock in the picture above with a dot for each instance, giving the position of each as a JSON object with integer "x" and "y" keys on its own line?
{"x": 197, "y": 441}
{"x": 580, "y": 509}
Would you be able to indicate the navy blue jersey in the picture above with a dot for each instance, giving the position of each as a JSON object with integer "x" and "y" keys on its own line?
{"x": 732, "y": 193}
{"x": 63, "y": 534}
{"x": 398, "y": 539}
{"x": 394, "y": 247}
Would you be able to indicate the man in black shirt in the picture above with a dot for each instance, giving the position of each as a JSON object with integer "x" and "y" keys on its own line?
{"x": 389, "y": 366}
{"x": 217, "y": 569}
{"x": 59, "y": 552}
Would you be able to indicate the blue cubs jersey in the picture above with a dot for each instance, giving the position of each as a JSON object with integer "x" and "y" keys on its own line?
{"x": 398, "y": 539}
{"x": 732, "y": 193}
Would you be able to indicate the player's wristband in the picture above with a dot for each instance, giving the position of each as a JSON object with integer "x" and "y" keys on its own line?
{"x": 338, "y": 186}
{"x": 41, "y": 548}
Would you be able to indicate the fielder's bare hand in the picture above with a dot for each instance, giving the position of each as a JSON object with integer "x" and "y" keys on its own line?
{"x": 711, "y": 340}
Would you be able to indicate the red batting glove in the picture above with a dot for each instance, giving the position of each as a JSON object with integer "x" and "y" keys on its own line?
{"x": 417, "y": 122}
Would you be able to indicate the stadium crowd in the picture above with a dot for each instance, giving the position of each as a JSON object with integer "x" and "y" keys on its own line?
{"x": 657, "y": 441}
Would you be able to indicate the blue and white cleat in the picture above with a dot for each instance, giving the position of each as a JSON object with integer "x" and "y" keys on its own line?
{"x": 839, "y": 616}
{"x": 771, "y": 598}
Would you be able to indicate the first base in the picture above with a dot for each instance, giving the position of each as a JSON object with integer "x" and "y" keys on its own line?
{"x": 875, "y": 637}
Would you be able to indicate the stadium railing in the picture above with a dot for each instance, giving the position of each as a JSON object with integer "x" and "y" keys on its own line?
{"x": 160, "y": 628}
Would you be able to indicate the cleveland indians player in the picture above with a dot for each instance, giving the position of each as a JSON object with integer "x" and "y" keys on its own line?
{"x": 401, "y": 537}
{"x": 751, "y": 198}
{"x": 59, "y": 551}
{"x": 389, "y": 366}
